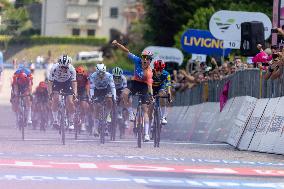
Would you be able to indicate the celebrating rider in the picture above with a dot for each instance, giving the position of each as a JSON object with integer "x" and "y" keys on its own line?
{"x": 142, "y": 81}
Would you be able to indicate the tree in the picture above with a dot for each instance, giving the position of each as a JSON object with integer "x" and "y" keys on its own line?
{"x": 165, "y": 18}
{"x": 22, "y": 3}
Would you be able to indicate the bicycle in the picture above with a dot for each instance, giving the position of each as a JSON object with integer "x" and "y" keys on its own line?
{"x": 139, "y": 120}
{"x": 22, "y": 115}
{"x": 157, "y": 120}
{"x": 63, "y": 115}
{"x": 113, "y": 123}
{"x": 102, "y": 117}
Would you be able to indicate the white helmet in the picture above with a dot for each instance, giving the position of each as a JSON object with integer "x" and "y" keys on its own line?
{"x": 117, "y": 71}
{"x": 64, "y": 60}
{"x": 101, "y": 68}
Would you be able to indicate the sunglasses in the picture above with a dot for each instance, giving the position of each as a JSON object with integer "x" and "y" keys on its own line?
{"x": 146, "y": 57}
{"x": 116, "y": 77}
{"x": 63, "y": 67}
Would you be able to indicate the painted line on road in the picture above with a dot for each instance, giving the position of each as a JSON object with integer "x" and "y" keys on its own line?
{"x": 147, "y": 181}
{"x": 129, "y": 158}
{"x": 207, "y": 170}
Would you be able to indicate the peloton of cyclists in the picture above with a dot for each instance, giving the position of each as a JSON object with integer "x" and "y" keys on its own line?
{"x": 22, "y": 85}
{"x": 63, "y": 78}
{"x": 102, "y": 87}
{"x": 142, "y": 81}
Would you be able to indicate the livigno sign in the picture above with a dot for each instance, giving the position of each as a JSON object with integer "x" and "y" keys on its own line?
{"x": 202, "y": 42}
{"x": 226, "y": 25}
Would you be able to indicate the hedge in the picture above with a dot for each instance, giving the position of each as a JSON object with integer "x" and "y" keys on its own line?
{"x": 41, "y": 40}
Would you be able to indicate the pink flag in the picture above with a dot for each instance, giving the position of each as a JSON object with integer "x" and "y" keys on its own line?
{"x": 224, "y": 95}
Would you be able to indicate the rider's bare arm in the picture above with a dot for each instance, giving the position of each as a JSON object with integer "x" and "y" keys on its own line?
{"x": 120, "y": 46}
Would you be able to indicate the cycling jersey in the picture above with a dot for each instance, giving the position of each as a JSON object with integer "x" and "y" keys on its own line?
{"x": 162, "y": 81}
{"x": 82, "y": 81}
{"x": 98, "y": 83}
{"x": 23, "y": 87}
{"x": 120, "y": 83}
{"x": 61, "y": 74}
{"x": 140, "y": 74}
{"x": 41, "y": 95}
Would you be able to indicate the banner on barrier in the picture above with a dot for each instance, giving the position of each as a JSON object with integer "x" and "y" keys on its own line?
{"x": 252, "y": 123}
{"x": 263, "y": 124}
{"x": 240, "y": 121}
{"x": 274, "y": 130}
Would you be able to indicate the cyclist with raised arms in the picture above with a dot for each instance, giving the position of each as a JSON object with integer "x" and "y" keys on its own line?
{"x": 102, "y": 86}
{"x": 142, "y": 81}
{"x": 161, "y": 87}
{"x": 22, "y": 85}
{"x": 63, "y": 78}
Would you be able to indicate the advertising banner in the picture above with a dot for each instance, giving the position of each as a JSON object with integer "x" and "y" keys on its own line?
{"x": 168, "y": 54}
{"x": 263, "y": 124}
{"x": 239, "y": 122}
{"x": 202, "y": 42}
{"x": 252, "y": 124}
{"x": 226, "y": 25}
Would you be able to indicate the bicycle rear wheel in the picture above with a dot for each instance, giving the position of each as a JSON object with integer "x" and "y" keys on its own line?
{"x": 102, "y": 132}
{"x": 157, "y": 128}
{"x": 140, "y": 127}
{"x": 62, "y": 128}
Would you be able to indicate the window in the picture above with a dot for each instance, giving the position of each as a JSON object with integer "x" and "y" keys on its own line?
{"x": 93, "y": 1}
{"x": 114, "y": 12}
{"x": 91, "y": 32}
{"x": 76, "y": 31}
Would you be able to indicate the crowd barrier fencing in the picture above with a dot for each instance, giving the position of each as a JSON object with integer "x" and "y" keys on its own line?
{"x": 247, "y": 123}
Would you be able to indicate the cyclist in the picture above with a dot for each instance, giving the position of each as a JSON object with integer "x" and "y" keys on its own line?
{"x": 142, "y": 81}
{"x": 102, "y": 86}
{"x": 122, "y": 92}
{"x": 83, "y": 88}
{"x": 161, "y": 87}
{"x": 40, "y": 96}
{"x": 22, "y": 85}
{"x": 63, "y": 77}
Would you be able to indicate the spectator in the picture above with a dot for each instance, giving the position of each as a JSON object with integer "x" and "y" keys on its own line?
{"x": 261, "y": 57}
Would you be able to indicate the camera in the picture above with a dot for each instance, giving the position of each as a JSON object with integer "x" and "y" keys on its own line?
{"x": 274, "y": 30}
{"x": 274, "y": 56}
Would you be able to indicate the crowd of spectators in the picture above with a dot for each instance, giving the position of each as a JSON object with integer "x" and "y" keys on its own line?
{"x": 184, "y": 79}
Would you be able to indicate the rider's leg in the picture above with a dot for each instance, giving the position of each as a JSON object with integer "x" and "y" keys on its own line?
{"x": 146, "y": 121}
{"x": 163, "y": 102}
{"x": 28, "y": 104}
{"x": 54, "y": 107}
{"x": 127, "y": 103}
{"x": 71, "y": 110}
{"x": 109, "y": 104}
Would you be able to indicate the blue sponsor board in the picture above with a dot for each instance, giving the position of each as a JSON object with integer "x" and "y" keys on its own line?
{"x": 202, "y": 42}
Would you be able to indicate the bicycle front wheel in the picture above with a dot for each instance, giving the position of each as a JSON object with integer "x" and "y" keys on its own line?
{"x": 140, "y": 128}
{"x": 62, "y": 129}
{"x": 157, "y": 129}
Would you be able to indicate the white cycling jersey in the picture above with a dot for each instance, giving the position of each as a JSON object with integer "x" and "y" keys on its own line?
{"x": 120, "y": 83}
{"x": 99, "y": 83}
{"x": 61, "y": 75}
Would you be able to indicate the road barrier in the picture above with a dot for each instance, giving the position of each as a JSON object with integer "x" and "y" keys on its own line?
{"x": 246, "y": 123}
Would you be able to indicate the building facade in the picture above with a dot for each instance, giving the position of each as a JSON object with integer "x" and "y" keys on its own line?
{"x": 84, "y": 17}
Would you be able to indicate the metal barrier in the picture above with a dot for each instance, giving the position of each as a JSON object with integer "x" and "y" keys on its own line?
{"x": 243, "y": 83}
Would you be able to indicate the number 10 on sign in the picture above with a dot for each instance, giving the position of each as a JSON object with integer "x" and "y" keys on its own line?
{"x": 232, "y": 44}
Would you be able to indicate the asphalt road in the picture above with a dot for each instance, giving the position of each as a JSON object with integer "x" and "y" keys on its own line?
{"x": 42, "y": 162}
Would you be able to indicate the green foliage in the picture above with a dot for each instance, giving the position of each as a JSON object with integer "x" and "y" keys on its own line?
{"x": 22, "y": 3}
{"x": 40, "y": 40}
{"x": 165, "y": 18}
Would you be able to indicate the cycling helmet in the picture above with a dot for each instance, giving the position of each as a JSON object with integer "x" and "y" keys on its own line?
{"x": 42, "y": 84}
{"x": 80, "y": 70}
{"x": 159, "y": 65}
{"x": 22, "y": 78}
{"x": 100, "y": 69}
{"x": 64, "y": 60}
{"x": 147, "y": 55}
{"x": 117, "y": 71}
